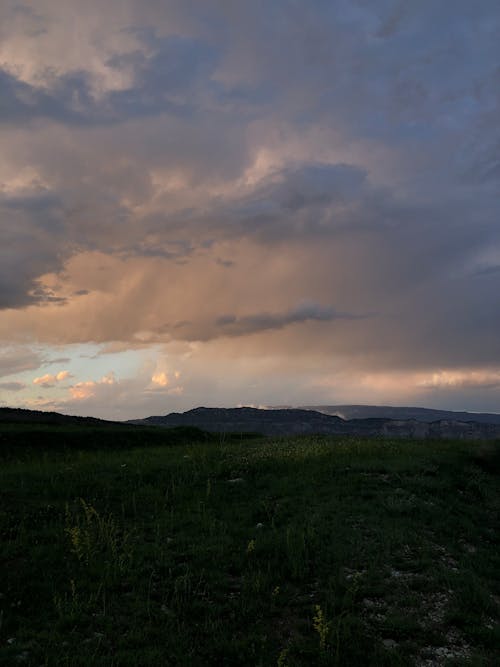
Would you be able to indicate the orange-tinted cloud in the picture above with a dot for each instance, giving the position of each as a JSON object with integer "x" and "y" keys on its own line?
{"x": 160, "y": 379}
{"x": 83, "y": 390}
{"x": 50, "y": 380}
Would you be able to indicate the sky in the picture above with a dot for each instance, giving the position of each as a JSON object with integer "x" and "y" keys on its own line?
{"x": 222, "y": 203}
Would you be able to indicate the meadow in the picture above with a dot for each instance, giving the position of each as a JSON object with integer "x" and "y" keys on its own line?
{"x": 147, "y": 547}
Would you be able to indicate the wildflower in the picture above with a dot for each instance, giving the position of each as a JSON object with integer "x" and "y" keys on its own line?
{"x": 321, "y": 626}
{"x": 282, "y": 658}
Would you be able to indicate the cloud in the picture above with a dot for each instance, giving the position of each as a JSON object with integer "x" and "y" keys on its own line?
{"x": 160, "y": 379}
{"x": 31, "y": 223}
{"x": 12, "y": 386}
{"x": 84, "y": 390}
{"x": 112, "y": 397}
{"x": 16, "y": 359}
{"x": 302, "y": 201}
{"x": 162, "y": 75}
{"x": 49, "y": 380}
{"x": 481, "y": 378}
{"x": 230, "y": 325}
{"x": 70, "y": 100}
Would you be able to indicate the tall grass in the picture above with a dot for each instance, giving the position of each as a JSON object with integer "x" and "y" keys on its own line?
{"x": 277, "y": 552}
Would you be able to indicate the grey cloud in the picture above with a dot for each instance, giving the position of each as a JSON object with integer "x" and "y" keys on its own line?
{"x": 167, "y": 72}
{"x": 69, "y": 100}
{"x": 178, "y": 250}
{"x": 231, "y": 325}
{"x": 41, "y": 294}
{"x": 18, "y": 359}
{"x": 169, "y": 77}
{"x": 30, "y": 228}
{"x": 307, "y": 202}
{"x": 301, "y": 201}
{"x": 312, "y": 185}
{"x": 393, "y": 21}
{"x": 226, "y": 263}
{"x": 493, "y": 270}
{"x": 318, "y": 58}
{"x": 12, "y": 386}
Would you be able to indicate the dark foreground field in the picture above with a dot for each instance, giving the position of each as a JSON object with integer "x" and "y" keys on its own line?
{"x": 121, "y": 549}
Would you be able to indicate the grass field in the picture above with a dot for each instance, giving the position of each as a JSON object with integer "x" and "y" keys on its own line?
{"x": 154, "y": 549}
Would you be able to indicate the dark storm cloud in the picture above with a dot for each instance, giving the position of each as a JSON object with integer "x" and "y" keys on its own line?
{"x": 31, "y": 235}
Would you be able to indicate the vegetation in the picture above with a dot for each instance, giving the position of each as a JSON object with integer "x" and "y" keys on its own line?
{"x": 145, "y": 547}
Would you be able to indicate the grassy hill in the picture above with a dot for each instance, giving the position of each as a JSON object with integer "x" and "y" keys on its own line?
{"x": 304, "y": 551}
{"x": 32, "y": 440}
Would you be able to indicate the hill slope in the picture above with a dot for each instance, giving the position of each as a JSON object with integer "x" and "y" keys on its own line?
{"x": 20, "y": 416}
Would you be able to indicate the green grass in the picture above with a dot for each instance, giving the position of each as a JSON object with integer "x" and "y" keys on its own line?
{"x": 153, "y": 549}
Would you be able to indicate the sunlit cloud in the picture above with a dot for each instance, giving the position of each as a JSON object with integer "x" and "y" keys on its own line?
{"x": 49, "y": 380}
{"x": 160, "y": 379}
{"x": 83, "y": 390}
{"x": 482, "y": 378}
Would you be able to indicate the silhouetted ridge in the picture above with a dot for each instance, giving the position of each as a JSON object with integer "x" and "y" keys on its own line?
{"x": 21, "y": 416}
{"x": 302, "y": 421}
{"x": 396, "y": 412}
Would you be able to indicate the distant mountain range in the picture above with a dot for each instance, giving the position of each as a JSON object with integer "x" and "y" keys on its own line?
{"x": 390, "y": 412}
{"x": 298, "y": 421}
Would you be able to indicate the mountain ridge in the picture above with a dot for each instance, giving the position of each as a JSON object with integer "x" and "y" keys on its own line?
{"x": 296, "y": 421}
{"x": 357, "y": 411}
